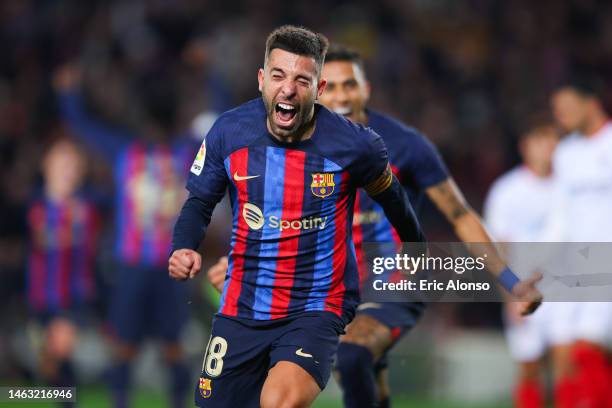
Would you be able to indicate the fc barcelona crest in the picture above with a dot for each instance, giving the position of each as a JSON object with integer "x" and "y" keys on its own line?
{"x": 205, "y": 387}
{"x": 322, "y": 184}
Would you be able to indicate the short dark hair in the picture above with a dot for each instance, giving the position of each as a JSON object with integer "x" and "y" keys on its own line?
{"x": 586, "y": 84}
{"x": 341, "y": 53}
{"x": 535, "y": 121}
{"x": 540, "y": 130}
{"x": 298, "y": 40}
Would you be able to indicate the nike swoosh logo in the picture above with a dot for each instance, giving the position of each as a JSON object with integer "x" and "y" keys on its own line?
{"x": 242, "y": 178}
{"x": 300, "y": 353}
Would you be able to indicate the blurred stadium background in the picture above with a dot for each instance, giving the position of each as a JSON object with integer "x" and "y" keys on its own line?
{"x": 468, "y": 74}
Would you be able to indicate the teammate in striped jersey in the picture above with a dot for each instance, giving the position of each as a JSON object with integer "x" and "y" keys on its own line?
{"x": 149, "y": 177}
{"x": 64, "y": 227}
{"x": 292, "y": 168}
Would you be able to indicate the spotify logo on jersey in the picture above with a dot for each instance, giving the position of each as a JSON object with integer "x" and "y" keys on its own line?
{"x": 253, "y": 216}
{"x": 255, "y": 219}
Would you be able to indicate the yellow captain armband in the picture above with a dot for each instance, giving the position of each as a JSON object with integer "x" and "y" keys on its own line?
{"x": 381, "y": 183}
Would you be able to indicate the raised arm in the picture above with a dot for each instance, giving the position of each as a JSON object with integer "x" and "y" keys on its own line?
{"x": 100, "y": 137}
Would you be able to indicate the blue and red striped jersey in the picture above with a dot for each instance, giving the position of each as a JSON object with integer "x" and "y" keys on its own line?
{"x": 292, "y": 203}
{"x": 150, "y": 189}
{"x": 62, "y": 253}
{"x": 415, "y": 162}
{"x": 149, "y": 181}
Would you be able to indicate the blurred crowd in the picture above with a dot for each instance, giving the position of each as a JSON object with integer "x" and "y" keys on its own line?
{"x": 469, "y": 74}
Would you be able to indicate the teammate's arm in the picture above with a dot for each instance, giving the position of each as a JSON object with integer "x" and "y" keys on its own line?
{"x": 372, "y": 172}
{"x": 498, "y": 216}
{"x": 104, "y": 139}
{"x": 216, "y": 273}
{"x": 467, "y": 224}
{"x": 470, "y": 229}
{"x": 389, "y": 193}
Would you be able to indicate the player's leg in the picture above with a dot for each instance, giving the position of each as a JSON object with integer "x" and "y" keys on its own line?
{"x": 563, "y": 376}
{"x": 235, "y": 365}
{"x": 374, "y": 330}
{"x": 288, "y": 386}
{"x": 527, "y": 343}
{"x": 592, "y": 372}
{"x": 382, "y": 385}
{"x": 301, "y": 360}
{"x": 60, "y": 339}
{"x": 59, "y": 345}
{"x": 529, "y": 389}
{"x": 180, "y": 383}
{"x": 129, "y": 318}
{"x": 171, "y": 316}
{"x": 560, "y": 322}
{"x": 593, "y": 331}
{"x": 119, "y": 376}
{"x": 365, "y": 342}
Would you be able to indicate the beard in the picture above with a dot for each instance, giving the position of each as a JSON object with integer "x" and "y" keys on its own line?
{"x": 299, "y": 119}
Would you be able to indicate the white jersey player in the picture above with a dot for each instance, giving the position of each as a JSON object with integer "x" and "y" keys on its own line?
{"x": 583, "y": 213}
{"x": 517, "y": 210}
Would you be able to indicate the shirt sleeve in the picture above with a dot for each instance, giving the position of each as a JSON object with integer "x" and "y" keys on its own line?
{"x": 423, "y": 163}
{"x": 191, "y": 225}
{"x": 373, "y": 172}
{"x": 371, "y": 167}
{"x": 394, "y": 201}
{"x": 207, "y": 184}
{"x": 208, "y": 179}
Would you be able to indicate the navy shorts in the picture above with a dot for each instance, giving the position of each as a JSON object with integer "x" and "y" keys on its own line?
{"x": 399, "y": 317}
{"x": 147, "y": 302}
{"x": 241, "y": 351}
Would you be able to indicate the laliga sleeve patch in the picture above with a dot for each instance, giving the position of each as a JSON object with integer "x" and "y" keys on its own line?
{"x": 198, "y": 163}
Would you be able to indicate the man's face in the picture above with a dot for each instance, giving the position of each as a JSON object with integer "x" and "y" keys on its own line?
{"x": 570, "y": 109}
{"x": 347, "y": 91}
{"x": 63, "y": 168}
{"x": 539, "y": 146}
{"x": 289, "y": 86}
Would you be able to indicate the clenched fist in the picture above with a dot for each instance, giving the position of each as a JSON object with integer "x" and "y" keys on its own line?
{"x": 184, "y": 264}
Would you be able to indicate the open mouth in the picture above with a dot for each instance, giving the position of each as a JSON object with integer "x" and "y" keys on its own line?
{"x": 344, "y": 110}
{"x": 285, "y": 113}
